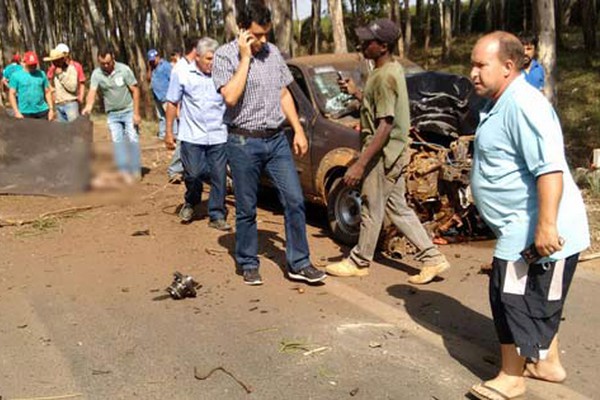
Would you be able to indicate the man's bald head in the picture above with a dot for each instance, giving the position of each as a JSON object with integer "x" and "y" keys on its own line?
{"x": 496, "y": 61}
{"x": 509, "y": 47}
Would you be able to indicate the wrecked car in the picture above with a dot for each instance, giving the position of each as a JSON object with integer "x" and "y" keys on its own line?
{"x": 444, "y": 116}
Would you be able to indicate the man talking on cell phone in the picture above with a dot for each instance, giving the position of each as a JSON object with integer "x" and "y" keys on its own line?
{"x": 252, "y": 77}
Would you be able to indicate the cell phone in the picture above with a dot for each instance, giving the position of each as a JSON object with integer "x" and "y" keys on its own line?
{"x": 530, "y": 254}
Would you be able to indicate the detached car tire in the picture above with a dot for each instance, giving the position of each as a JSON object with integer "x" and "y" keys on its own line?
{"x": 343, "y": 212}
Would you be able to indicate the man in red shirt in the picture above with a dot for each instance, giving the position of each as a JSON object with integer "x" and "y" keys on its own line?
{"x": 63, "y": 48}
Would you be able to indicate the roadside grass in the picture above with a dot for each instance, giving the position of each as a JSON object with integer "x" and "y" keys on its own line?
{"x": 578, "y": 84}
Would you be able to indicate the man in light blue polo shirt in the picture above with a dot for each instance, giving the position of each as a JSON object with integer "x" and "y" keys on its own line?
{"x": 202, "y": 133}
{"x": 524, "y": 191}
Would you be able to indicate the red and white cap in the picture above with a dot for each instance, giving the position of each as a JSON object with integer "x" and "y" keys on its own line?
{"x": 30, "y": 58}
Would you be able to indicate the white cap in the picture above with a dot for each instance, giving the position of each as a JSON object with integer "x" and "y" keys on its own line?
{"x": 63, "y": 48}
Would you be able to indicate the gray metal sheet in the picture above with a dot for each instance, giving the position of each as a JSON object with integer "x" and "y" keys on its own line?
{"x": 41, "y": 157}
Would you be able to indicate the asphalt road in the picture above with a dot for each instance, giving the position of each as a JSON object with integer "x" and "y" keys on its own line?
{"x": 83, "y": 312}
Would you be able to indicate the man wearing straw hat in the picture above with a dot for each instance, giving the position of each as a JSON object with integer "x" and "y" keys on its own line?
{"x": 65, "y": 87}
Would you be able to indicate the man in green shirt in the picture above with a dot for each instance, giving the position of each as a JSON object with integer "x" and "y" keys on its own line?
{"x": 121, "y": 103}
{"x": 385, "y": 123}
{"x": 29, "y": 91}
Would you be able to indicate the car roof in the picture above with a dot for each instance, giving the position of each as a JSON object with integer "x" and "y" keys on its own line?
{"x": 345, "y": 61}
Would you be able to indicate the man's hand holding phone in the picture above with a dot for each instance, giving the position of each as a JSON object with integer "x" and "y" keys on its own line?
{"x": 245, "y": 41}
{"x": 347, "y": 85}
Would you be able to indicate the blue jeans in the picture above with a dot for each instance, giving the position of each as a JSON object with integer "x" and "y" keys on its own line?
{"x": 125, "y": 141}
{"x": 248, "y": 157}
{"x": 161, "y": 113}
{"x": 67, "y": 112}
{"x": 175, "y": 167}
{"x": 201, "y": 161}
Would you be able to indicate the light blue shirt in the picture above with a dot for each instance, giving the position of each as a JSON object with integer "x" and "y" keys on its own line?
{"x": 202, "y": 108}
{"x": 160, "y": 80}
{"x": 518, "y": 139}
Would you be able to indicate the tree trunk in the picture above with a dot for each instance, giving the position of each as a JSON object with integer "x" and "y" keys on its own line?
{"x": 588, "y": 24}
{"x": 229, "y": 17}
{"x": 337, "y": 25}
{"x": 566, "y": 12}
{"x": 394, "y": 13}
{"x": 25, "y": 25}
{"x": 418, "y": 22}
{"x": 469, "y": 26}
{"x": 501, "y": 15}
{"x": 427, "y": 32}
{"x": 202, "y": 19}
{"x": 315, "y": 25}
{"x": 407, "y": 28}
{"x": 281, "y": 15}
{"x": 456, "y": 17}
{"x": 489, "y": 15}
{"x": 50, "y": 38}
{"x": 6, "y": 38}
{"x": 446, "y": 11}
{"x": 544, "y": 17}
{"x": 525, "y": 3}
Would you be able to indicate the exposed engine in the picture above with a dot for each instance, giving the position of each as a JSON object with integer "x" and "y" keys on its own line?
{"x": 437, "y": 177}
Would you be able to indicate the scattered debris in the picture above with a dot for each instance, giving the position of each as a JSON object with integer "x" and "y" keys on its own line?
{"x": 143, "y": 214}
{"x": 374, "y": 345}
{"x": 125, "y": 290}
{"x": 64, "y": 396}
{"x": 354, "y": 392}
{"x": 293, "y": 346}
{"x": 183, "y": 286}
{"x": 299, "y": 289}
{"x": 589, "y": 257}
{"x": 214, "y": 252}
{"x": 272, "y": 329}
{"x": 66, "y": 212}
{"x": 253, "y": 309}
{"x": 201, "y": 376}
{"x": 22, "y": 326}
{"x": 316, "y": 351}
{"x": 345, "y": 327}
{"x": 145, "y": 232}
{"x": 101, "y": 372}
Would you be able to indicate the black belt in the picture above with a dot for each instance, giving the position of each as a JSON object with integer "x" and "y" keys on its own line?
{"x": 263, "y": 134}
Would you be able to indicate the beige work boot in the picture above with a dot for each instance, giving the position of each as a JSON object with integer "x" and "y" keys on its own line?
{"x": 346, "y": 268}
{"x": 428, "y": 273}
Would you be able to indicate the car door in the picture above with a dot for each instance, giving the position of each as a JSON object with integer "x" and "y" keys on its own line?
{"x": 306, "y": 115}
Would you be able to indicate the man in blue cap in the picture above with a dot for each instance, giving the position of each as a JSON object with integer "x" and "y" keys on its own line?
{"x": 160, "y": 75}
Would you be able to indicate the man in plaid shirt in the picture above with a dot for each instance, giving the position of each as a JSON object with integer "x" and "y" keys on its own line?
{"x": 252, "y": 77}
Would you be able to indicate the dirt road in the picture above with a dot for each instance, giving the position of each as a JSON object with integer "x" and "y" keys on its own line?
{"x": 83, "y": 311}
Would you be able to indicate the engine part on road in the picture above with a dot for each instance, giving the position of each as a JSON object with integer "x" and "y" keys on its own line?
{"x": 183, "y": 286}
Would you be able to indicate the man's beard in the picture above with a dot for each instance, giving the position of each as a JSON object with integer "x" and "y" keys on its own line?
{"x": 526, "y": 62}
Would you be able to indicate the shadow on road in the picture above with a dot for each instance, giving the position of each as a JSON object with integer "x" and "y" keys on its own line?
{"x": 456, "y": 324}
{"x": 269, "y": 244}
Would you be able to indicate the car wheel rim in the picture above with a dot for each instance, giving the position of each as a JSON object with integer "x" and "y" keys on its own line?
{"x": 348, "y": 210}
